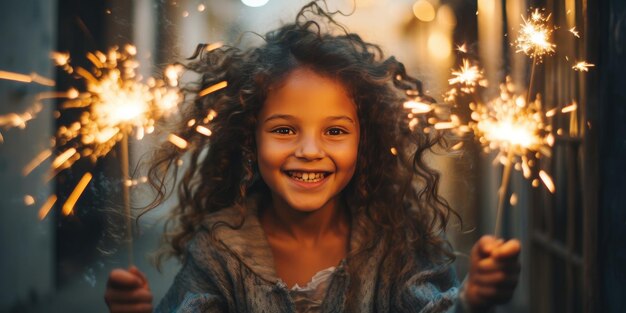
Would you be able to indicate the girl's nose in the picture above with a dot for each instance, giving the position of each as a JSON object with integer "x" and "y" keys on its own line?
{"x": 309, "y": 148}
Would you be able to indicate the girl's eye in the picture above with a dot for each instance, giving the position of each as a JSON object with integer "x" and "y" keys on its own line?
{"x": 283, "y": 131}
{"x": 336, "y": 131}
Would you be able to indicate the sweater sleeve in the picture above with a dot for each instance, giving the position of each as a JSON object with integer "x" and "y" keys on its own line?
{"x": 434, "y": 289}
{"x": 193, "y": 290}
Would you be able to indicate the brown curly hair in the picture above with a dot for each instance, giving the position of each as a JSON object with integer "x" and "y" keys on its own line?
{"x": 397, "y": 192}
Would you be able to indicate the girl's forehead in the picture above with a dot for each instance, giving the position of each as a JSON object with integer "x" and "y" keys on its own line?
{"x": 305, "y": 92}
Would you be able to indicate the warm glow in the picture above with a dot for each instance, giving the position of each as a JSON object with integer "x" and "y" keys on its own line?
{"x": 255, "y": 3}
{"x": 68, "y": 206}
{"x": 424, "y": 10}
{"x": 418, "y": 107}
{"x": 534, "y": 36}
{"x": 439, "y": 45}
{"x": 177, "y": 141}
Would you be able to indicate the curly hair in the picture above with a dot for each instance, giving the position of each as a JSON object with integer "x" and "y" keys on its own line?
{"x": 392, "y": 185}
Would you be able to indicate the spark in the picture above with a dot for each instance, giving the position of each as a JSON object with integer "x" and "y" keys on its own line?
{"x": 118, "y": 101}
{"x": 63, "y": 157}
{"x": 547, "y": 180}
{"x": 30, "y": 78}
{"x": 203, "y": 130}
{"x": 29, "y": 200}
{"x": 16, "y": 120}
{"x": 534, "y": 36}
{"x": 213, "y": 88}
{"x": 45, "y": 208}
{"x": 68, "y": 206}
{"x": 570, "y": 108}
{"x": 42, "y": 156}
{"x": 213, "y": 46}
{"x": 417, "y": 107}
{"x": 574, "y": 32}
{"x": 582, "y": 66}
{"x": 468, "y": 76}
{"x": 461, "y": 48}
{"x": 177, "y": 141}
{"x": 393, "y": 151}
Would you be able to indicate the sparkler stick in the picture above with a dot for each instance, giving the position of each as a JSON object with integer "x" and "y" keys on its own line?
{"x": 126, "y": 195}
{"x": 502, "y": 192}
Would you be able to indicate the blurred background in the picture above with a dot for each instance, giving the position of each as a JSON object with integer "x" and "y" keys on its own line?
{"x": 573, "y": 256}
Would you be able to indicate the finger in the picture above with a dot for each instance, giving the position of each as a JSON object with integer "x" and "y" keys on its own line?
{"x": 122, "y": 279}
{"x": 125, "y": 296}
{"x": 481, "y": 248}
{"x": 501, "y": 280}
{"x": 131, "y": 308}
{"x": 508, "y": 250}
{"x": 133, "y": 269}
{"x": 493, "y": 295}
{"x": 488, "y": 265}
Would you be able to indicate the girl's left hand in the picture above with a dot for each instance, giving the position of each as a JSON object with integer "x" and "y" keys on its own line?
{"x": 493, "y": 274}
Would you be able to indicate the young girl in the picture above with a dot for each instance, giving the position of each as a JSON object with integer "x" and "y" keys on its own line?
{"x": 297, "y": 201}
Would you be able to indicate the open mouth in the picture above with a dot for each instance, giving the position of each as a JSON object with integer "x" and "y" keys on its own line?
{"x": 307, "y": 177}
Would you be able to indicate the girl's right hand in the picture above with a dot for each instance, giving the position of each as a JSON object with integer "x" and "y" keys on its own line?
{"x": 128, "y": 291}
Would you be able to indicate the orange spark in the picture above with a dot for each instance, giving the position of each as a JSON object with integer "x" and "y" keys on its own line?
{"x": 23, "y": 78}
{"x": 177, "y": 141}
{"x": 45, "y": 208}
{"x": 63, "y": 157}
{"x": 545, "y": 178}
{"x": 203, "y": 130}
{"x": 42, "y": 156}
{"x": 68, "y": 206}
{"x": 212, "y": 88}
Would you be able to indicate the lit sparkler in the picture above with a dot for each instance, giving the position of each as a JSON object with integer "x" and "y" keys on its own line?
{"x": 582, "y": 66}
{"x": 535, "y": 35}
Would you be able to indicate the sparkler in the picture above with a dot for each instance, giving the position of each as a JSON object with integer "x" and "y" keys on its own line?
{"x": 511, "y": 124}
{"x": 117, "y": 103}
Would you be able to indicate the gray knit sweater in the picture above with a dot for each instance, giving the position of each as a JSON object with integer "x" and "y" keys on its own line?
{"x": 233, "y": 271}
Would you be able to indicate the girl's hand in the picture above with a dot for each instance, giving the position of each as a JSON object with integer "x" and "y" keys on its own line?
{"x": 128, "y": 291}
{"x": 493, "y": 274}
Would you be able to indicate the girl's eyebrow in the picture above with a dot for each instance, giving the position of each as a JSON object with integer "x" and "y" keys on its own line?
{"x": 280, "y": 116}
{"x": 291, "y": 117}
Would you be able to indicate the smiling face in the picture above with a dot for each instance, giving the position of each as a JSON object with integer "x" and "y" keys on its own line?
{"x": 307, "y": 140}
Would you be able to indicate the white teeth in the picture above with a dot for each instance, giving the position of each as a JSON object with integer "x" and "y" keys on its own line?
{"x": 307, "y": 177}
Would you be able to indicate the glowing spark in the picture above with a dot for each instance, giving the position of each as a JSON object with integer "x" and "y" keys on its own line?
{"x": 468, "y": 76}
{"x": 68, "y": 206}
{"x": 119, "y": 101}
{"x": 509, "y": 123}
{"x": 213, "y": 88}
{"x": 203, "y": 130}
{"x": 201, "y": 7}
{"x": 60, "y": 58}
{"x": 545, "y": 178}
{"x": 582, "y": 66}
{"x": 513, "y": 199}
{"x": 570, "y": 108}
{"x": 457, "y": 146}
{"x": 534, "y": 36}
{"x": 15, "y": 120}
{"x": 461, "y": 48}
{"x": 393, "y": 151}
{"x": 213, "y": 46}
{"x": 30, "y": 78}
{"x": 574, "y": 32}
{"x": 45, "y": 208}
{"x": 42, "y": 156}
{"x": 29, "y": 200}
{"x": 63, "y": 157}
{"x": 177, "y": 141}
{"x": 418, "y": 107}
